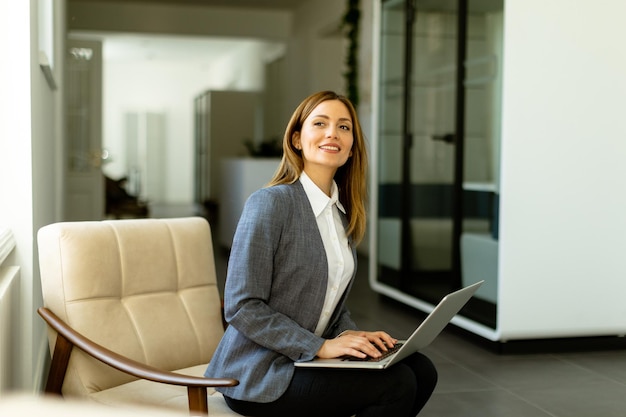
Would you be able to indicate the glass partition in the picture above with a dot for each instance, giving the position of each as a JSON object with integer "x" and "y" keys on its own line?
{"x": 437, "y": 146}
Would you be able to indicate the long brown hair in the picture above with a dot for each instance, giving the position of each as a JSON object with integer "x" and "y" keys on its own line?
{"x": 350, "y": 178}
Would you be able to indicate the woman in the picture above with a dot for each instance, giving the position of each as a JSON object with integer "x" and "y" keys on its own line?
{"x": 291, "y": 266}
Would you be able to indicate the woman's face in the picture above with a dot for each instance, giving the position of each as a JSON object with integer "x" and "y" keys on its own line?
{"x": 326, "y": 137}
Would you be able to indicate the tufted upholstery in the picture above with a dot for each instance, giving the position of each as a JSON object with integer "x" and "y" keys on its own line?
{"x": 145, "y": 289}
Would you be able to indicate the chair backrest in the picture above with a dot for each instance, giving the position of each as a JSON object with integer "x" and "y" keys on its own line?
{"x": 143, "y": 288}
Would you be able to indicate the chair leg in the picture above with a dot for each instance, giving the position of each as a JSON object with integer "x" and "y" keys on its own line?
{"x": 58, "y": 366}
{"x": 198, "y": 404}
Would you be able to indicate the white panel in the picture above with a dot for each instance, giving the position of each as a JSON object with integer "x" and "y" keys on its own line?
{"x": 479, "y": 261}
{"x": 563, "y": 227}
{"x": 388, "y": 243}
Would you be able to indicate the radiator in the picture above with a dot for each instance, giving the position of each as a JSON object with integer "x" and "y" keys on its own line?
{"x": 9, "y": 316}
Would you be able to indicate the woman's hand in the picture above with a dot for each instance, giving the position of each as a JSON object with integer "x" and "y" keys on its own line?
{"x": 356, "y": 343}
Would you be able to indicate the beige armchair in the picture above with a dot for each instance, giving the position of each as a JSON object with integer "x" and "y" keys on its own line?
{"x": 134, "y": 312}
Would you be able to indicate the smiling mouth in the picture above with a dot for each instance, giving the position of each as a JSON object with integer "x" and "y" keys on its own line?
{"x": 330, "y": 148}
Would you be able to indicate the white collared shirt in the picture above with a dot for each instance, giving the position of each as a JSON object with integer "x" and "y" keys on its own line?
{"x": 338, "y": 251}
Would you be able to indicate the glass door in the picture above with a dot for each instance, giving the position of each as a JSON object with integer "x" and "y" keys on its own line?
{"x": 416, "y": 144}
{"x": 433, "y": 151}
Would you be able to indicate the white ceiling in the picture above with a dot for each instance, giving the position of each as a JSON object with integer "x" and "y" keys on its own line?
{"x": 136, "y": 47}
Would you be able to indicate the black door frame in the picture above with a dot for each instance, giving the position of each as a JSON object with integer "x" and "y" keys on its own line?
{"x": 459, "y": 141}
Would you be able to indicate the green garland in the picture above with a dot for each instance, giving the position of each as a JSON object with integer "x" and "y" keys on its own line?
{"x": 351, "y": 24}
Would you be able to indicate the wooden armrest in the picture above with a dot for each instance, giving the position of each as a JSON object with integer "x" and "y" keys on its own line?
{"x": 68, "y": 337}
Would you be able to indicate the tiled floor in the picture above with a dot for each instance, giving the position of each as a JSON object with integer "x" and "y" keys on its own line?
{"x": 476, "y": 382}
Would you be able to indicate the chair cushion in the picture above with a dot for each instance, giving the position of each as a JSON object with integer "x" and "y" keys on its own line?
{"x": 162, "y": 396}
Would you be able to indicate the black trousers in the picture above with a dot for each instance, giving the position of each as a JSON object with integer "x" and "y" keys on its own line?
{"x": 399, "y": 391}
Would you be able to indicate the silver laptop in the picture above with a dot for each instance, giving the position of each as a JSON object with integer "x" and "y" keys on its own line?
{"x": 427, "y": 331}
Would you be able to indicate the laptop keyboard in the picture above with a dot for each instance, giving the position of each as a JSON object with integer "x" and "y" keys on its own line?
{"x": 384, "y": 355}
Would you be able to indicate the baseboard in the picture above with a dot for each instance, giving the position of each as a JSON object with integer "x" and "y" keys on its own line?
{"x": 544, "y": 346}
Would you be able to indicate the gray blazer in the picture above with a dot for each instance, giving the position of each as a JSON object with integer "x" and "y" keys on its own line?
{"x": 275, "y": 289}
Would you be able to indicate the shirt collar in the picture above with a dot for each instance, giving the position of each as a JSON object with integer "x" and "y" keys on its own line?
{"x": 317, "y": 198}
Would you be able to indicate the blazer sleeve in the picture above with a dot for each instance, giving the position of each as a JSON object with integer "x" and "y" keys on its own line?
{"x": 256, "y": 305}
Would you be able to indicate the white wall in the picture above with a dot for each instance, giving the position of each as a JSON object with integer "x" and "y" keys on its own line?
{"x": 563, "y": 208}
{"x": 315, "y": 57}
{"x": 30, "y": 175}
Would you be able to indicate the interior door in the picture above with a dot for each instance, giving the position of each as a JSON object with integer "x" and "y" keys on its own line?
{"x": 84, "y": 180}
